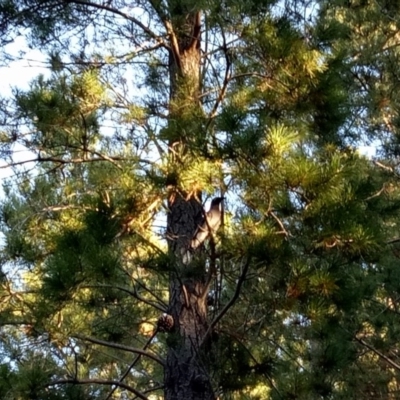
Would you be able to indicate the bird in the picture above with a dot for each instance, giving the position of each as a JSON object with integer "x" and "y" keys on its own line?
{"x": 210, "y": 224}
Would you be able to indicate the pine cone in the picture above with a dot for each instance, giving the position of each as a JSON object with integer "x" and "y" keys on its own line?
{"x": 165, "y": 323}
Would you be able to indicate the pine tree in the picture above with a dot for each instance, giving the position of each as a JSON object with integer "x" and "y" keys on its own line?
{"x": 150, "y": 110}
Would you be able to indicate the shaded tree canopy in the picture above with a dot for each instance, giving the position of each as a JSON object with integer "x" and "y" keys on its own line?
{"x": 149, "y": 110}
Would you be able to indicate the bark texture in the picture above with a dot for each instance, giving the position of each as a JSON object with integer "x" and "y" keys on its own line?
{"x": 186, "y": 375}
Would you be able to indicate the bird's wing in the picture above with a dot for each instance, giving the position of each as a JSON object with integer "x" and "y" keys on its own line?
{"x": 210, "y": 223}
{"x": 200, "y": 235}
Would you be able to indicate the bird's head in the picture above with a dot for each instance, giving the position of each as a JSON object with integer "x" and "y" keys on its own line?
{"x": 216, "y": 201}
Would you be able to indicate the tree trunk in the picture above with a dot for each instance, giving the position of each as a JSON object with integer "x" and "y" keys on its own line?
{"x": 186, "y": 374}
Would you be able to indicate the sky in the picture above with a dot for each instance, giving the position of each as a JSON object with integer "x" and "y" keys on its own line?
{"x": 28, "y": 65}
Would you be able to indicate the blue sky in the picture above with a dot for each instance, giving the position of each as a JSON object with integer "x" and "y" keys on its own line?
{"x": 27, "y": 65}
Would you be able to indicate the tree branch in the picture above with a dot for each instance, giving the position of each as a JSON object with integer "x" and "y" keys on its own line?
{"x": 39, "y": 158}
{"x": 377, "y": 352}
{"x": 121, "y": 347}
{"x": 227, "y": 78}
{"x": 105, "y": 7}
{"x": 98, "y": 382}
{"x": 133, "y": 293}
{"x": 137, "y": 358}
{"x": 383, "y": 166}
{"x": 158, "y": 298}
{"x": 231, "y": 302}
{"x": 196, "y": 37}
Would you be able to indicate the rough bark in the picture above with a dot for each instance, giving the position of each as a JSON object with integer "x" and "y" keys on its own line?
{"x": 186, "y": 375}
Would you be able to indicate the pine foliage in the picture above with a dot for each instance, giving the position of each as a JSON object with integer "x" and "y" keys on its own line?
{"x": 302, "y": 277}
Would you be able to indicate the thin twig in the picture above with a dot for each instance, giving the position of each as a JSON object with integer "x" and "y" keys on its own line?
{"x": 98, "y": 382}
{"x": 227, "y": 77}
{"x": 231, "y": 302}
{"x": 121, "y": 14}
{"x": 377, "y": 352}
{"x": 137, "y": 358}
{"x": 383, "y": 166}
{"x": 280, "y": 223}
{"x": 158, "y": 298}
{"x": 121, "y": 347}
{"x": 133, "y": 293}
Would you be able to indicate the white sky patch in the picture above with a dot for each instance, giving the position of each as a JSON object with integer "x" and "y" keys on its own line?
{"x": 17, "y": 74}
{"x": 367, "y": 151}
{"x": 27, "y": 65}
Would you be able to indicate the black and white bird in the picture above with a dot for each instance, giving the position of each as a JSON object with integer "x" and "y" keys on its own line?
{"x": 210, "y": 225}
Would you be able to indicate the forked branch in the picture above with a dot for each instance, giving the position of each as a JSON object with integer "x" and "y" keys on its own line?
{"x": 232, "y": 301}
